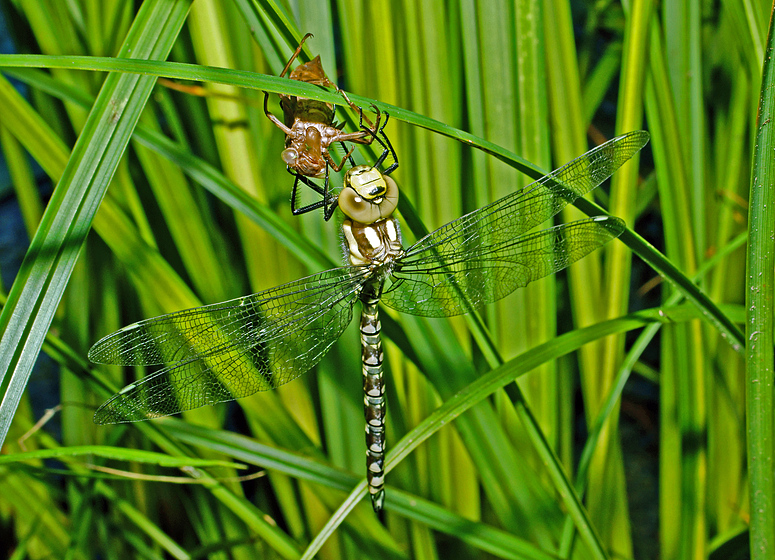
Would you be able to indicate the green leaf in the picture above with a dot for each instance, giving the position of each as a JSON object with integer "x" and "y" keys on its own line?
{"x": 760, "y": 323}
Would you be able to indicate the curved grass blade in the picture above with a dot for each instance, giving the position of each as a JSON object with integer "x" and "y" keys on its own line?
{"x": 482, "y": 388}
{"x": 156, "y": 433}
{"x": 241, "y": 448}
{"x": 639, "y": 246}
{"x": 118, "y": 454}
{"x": 760, "y": 323}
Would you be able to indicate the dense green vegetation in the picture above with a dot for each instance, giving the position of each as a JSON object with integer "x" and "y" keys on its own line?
{"x": 608, "y": 445}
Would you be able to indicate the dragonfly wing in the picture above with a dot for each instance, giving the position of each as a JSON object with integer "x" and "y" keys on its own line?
{"x": 483, "y": 255}
{"x": 225, "y": 351}
{"x": 532, "y": 205}
{"x": 447, "y": 281}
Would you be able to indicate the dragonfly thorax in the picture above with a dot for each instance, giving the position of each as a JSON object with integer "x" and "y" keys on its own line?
{"x": 368, "y": 195}
{"x": 372, "y": 244}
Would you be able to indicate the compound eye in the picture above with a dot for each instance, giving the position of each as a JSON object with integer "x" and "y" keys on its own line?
{"x": 290, "y": 156}
{"x": 369, "y": 210}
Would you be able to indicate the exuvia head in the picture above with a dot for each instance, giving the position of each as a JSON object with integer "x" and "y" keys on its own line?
{"x": 290, "y": 156}
{"x": 368, "y": 196}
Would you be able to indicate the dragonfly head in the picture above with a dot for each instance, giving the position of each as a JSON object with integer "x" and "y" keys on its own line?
{"x": 368, "y": 195}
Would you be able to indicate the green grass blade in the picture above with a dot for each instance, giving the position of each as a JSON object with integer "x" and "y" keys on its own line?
{"x": 247, "y": 512}
{"x": 487, "y": 384}
{"x": 607, "y": 498}
{"x": 611, "y": 400}
{"x": 190, "y": 223}
{"x": 462, "y": 70}
{"x": 272, "y": 28}
{"x": 668, "y": 270}
{"x": 117, "y": 453}
{"x": 538, "y": 319}
{"x": 760, "y": 323}
{"x": 244, "y": 449}
{"x": 38, "y": 288}
{"x": 143, "y": 524}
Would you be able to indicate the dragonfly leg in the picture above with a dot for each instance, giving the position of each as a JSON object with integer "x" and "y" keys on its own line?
{"x": 349, "y": 155}
{"x": 338, "y": 166}
{"x": 330, "y": 201}
{"x": 310, "y": 207}
{"x": 357, "y": 109}
{"x": 287, "y": 131}
{"x": 366, "y": 133}
{"x": 383, "y": 140}
{"x": 295, "y": 54}
{"x": 371, "y": 128}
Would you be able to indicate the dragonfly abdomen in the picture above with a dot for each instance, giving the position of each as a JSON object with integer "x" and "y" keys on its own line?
{"x": 373, "y": 400}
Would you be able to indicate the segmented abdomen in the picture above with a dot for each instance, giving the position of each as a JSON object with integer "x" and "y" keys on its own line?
{"x": 373, "y": 401}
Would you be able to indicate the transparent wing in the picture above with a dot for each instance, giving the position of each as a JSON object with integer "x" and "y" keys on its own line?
{"x": 483, "y": 256}
{"x": 442, "y": 284}
{"x": 228, "y": 350}
{"x": 535, "y": 203}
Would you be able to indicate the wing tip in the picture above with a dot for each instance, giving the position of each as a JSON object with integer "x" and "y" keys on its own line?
{"x": 94, "y": 355}
{"x": 636, "y": 138}
{"x": 121, "y": 410}
{"x": 612, "y": 223}
{"x": 106, "y": 415}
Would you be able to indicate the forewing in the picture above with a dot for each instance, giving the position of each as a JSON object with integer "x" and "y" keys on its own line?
{"x": 447, "y": 281}
{"x": 229, "y": 350}
{"x": 524, "y": 209}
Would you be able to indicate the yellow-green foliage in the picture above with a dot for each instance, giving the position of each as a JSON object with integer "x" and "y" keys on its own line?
{"x": 484, "y": 96}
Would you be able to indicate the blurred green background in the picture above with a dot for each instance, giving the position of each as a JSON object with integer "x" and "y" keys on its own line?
{"x": 197, "y": 211}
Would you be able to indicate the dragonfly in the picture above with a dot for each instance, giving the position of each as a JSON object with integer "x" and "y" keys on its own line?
{"x": 229, "y": 350}
{"x": 310, "y": 131}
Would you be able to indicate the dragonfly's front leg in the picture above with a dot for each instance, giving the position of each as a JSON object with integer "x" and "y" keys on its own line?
{"x": 383, "y": 140}
{"x": 294, "y": 193}
{"x": 329, "y": 203}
